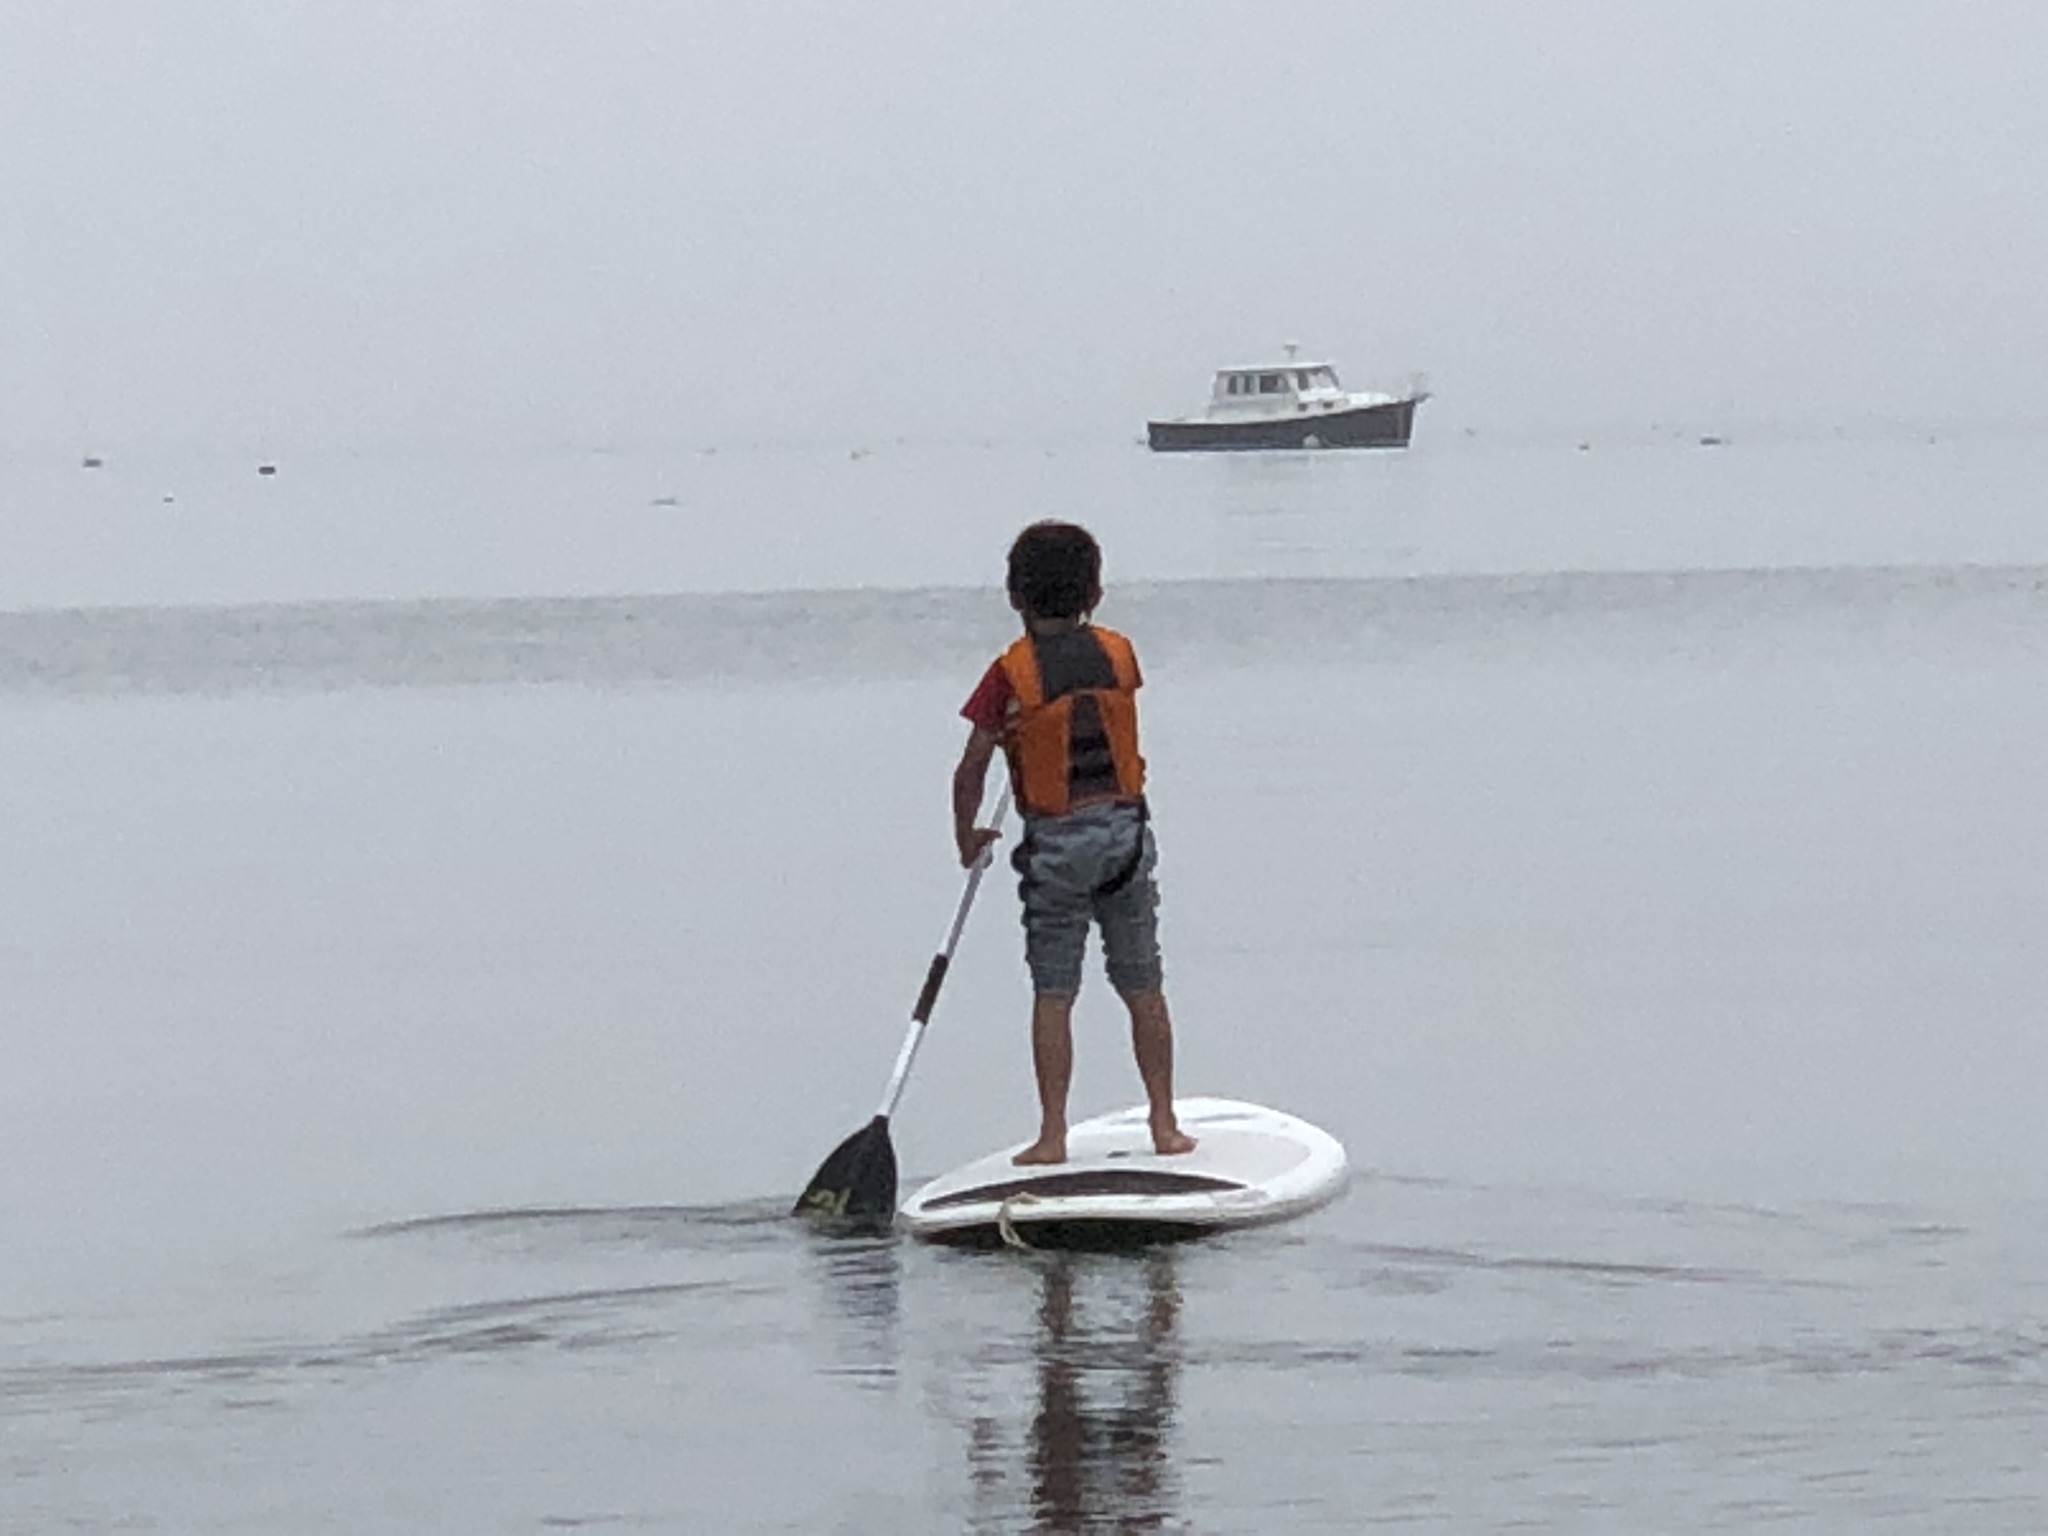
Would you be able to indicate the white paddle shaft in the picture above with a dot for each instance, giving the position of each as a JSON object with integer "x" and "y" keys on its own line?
{"x": 921, "y": 1014}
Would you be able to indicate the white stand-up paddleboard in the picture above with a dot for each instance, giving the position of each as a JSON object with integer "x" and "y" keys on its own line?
{"x": 1250, "y": 1165}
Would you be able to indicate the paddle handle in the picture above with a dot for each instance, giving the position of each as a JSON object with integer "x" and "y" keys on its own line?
{"x": 935, "y": 974}
{"x": 929, "y": 993}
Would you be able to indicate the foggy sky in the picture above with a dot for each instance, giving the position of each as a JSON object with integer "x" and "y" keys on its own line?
{"x": 526, "y": 223}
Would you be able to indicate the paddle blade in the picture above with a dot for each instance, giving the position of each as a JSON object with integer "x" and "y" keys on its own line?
{"x": 854, "y": 1189}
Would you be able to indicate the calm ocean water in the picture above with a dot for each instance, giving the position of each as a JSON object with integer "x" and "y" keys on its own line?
{"x": 451, "y": 906}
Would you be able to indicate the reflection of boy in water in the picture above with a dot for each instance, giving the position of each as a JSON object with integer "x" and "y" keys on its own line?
{"x": 1098, "y": 1453}
{"x": 1062, "y": 704}
{"x": 1090, "y": 1462}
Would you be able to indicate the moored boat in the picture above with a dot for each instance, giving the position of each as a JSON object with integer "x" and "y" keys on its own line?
{"x": 1289, "y": 405}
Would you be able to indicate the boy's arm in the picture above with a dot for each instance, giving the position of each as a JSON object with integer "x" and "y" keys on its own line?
{"x": 969, "y": 778}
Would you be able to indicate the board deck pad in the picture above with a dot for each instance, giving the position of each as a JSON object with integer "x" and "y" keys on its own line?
{"x": 1251, "y": 1165}
{"x": 1086, "y": 1181}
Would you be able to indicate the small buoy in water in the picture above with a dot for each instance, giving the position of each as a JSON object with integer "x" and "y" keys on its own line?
{"x": 266, "y": 469}
{"x": 169, "y": 498}
{"x": 1585, "y": 447}
{"x": 664, "y": 501}
{"x": 91, "y": 461}
{"x": 1713, "y": 442}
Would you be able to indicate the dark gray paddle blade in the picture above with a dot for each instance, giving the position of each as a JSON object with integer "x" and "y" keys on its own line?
{"x": 854, "y": 1189}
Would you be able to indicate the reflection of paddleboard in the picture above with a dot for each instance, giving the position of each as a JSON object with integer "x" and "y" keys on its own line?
{"x": 1252, "y": 1165}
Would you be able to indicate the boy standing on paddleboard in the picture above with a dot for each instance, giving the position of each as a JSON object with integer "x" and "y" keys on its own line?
{"x": 1062, "y": 705}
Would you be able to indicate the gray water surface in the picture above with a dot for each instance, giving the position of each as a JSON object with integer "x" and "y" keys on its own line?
{"x": 1428, "y": 1354}
{"x": 421, "y": 1012}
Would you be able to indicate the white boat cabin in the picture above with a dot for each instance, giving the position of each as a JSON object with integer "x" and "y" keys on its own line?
{"x": 1274, "y": 386}
{"x": 1283, "y": 389}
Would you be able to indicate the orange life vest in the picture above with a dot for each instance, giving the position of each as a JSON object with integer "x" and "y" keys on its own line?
{"x": 1075, "y": 735}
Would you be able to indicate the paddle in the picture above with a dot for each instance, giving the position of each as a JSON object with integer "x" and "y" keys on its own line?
{"x": 854, "y": 1189}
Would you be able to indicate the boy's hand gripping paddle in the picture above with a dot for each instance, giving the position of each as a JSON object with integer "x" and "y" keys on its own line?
{"x": 854, "y": 1189}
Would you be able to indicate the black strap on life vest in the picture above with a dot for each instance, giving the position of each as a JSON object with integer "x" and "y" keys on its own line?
{"x": 1020, "y": 857}
{"x": 1129, "y": 872}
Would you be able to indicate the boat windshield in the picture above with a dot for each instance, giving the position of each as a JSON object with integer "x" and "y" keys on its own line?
{"x": 1279, "y": 381}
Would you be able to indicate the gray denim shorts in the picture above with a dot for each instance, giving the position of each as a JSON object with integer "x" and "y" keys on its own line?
{"x": 1093, "y": 865}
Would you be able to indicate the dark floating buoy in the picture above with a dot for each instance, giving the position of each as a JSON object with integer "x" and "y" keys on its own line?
{"x": 91, "y": 461}
{"x": 1585, "y": 447}
{"x": 266, "y": 469}
{"x": 1713, "y": 442}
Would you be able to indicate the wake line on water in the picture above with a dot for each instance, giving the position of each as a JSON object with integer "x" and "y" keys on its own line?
{"x": 710, "y": 1219}
{"x": 2017, "y": 1356}
{"x": 606, "y": 1317}
{"x": 754, "y": 639}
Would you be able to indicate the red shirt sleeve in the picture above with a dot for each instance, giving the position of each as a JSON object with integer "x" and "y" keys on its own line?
{"x": 988, "y": 707}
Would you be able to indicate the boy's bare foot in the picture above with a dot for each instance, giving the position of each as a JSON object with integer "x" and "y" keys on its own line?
{"x": 1172, "y": 1141}
{"x": 1047, "y": 1149}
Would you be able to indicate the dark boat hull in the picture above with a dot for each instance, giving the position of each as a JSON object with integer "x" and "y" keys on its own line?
{"x": 1368, "y": 426}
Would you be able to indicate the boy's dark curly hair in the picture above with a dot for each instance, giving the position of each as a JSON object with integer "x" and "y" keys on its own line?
{"x": 1055, "y": 570}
